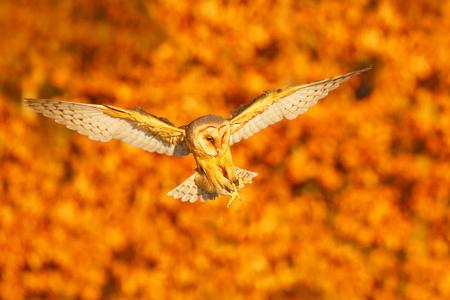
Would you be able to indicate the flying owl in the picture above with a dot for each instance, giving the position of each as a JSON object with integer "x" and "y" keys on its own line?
{"x": 208, "y": 138}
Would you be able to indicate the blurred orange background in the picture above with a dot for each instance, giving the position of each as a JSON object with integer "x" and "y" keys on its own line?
{"x": 352, "y": 200}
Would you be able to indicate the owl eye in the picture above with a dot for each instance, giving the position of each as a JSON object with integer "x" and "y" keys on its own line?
{"x": 210, "y": 139}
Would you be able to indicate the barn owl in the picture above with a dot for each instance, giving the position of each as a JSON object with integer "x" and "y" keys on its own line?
{"x": 208, "y": 138}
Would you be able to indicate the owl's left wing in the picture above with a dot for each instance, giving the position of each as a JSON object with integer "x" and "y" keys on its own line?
{"x": 104, "y": 122}
{"x": 274, "y": 105}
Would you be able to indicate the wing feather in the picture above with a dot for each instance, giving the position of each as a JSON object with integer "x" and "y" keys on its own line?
{"x": 274, "y": 105}
{"x": 104, "y": 122}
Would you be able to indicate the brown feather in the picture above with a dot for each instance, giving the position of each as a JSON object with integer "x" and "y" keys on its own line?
{"x": 159, "y": 127}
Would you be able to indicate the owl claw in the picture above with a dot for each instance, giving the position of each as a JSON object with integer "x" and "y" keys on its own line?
{"x": 234, "y": 194}
{"x": 242, "y": 180}
{"x": 230, "y": 190}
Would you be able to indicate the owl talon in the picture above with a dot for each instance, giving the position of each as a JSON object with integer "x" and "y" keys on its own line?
{"x": 243, "y": 180}
{"x": 229, "y": 190}
{"x": 234, "y": 194}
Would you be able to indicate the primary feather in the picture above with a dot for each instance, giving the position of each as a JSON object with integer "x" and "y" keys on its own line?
{"x": 275, "y": 105}
{"x": 104, "y": 122}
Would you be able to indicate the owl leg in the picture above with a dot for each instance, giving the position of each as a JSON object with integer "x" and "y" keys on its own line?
{"x": 244, "y": 177}
{"x": 242, "y": 180}
{"x": 234, "y": 194}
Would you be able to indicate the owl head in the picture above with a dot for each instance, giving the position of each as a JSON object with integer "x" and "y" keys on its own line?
{"x": 210, "y": 134}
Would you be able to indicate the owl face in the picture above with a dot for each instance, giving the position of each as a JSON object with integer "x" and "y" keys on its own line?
{"x": 214, "y": 139}
{"x": 210, "y": 134}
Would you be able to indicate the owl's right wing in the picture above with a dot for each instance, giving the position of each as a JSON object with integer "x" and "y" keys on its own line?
{"x": 275, "y": 105}
{"x": 104, "y": 122}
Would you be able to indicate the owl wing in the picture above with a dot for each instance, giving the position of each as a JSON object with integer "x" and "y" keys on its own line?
{"x": 104, "y": 122}
{"x": 274, "y": 105}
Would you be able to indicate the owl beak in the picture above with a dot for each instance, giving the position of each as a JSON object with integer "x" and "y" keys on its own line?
{"x": 218, "y": 150}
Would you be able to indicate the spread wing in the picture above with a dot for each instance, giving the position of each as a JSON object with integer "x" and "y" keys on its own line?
{"x": 104, "y": 122}
{"x": 274, "y": 105}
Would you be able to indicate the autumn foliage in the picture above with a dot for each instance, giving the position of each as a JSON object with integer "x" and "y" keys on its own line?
{"x": 352, "y": 200}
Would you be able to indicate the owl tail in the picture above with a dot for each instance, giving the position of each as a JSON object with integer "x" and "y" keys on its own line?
{"x": 189, "y": 191}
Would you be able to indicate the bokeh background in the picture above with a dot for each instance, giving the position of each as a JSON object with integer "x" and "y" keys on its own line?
{"x": 352, "y": 200}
